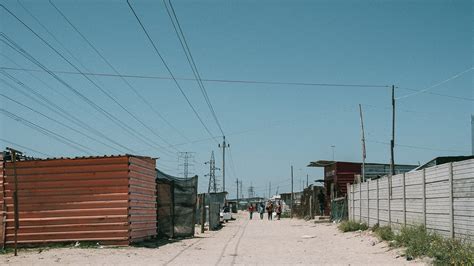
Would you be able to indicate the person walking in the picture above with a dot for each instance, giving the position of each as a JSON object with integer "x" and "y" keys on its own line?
{"x": 261, "y": 210}
{"x": 322, "y": 202}
{"x": 251, "y": 210}
{"x": 270, "y": 210}
{"x": 278, "y": 210}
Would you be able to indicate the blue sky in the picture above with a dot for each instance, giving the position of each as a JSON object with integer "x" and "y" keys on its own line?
{"x": 411, "y": 44}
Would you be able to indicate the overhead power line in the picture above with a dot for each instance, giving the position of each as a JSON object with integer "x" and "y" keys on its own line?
{"x": 417, "y": 147}
{"x": 47, "y": 132}
{"x": 111, "y": 117}
{"x": 261, "y": 82}
{"x": 43, "y": 101}
{"x": 168, "y": 69}
{"x": 189, "y": 56}
{"x": 437, "y": 84}
{"x": 25, "y": 148}
{"x": 238, "y": 81}
{"x": 52, "y": 119}
{"x": 132, "y": 88}
{"x": 131, "y": 131}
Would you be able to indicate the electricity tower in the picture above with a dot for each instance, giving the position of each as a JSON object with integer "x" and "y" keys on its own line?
{"x": 212, "y": 174}
{"x": 187, "y": 159}
{"x": 251, "y": 191}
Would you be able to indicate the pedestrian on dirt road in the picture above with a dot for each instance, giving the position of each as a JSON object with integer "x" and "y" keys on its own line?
{"x": 251, "y": 210}
{"x": 278, "y": 210}
{"x": 269, "y": 209}
{"x": 261, "y": 210}
{"x": 322, "y": 202}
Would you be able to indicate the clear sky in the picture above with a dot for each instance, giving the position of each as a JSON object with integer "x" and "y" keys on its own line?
{"x": 411, "y": 44}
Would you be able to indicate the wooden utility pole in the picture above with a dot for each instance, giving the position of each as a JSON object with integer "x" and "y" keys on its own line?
{"x": 363, "y": 143}
{"x": 13, "y": 154}
{"x": 292, "y": 195}
{"x": 307, "y": 180}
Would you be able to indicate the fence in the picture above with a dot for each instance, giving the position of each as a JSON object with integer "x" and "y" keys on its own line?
{"x": 439, "y": 197}
{"x": 176, "y": 205}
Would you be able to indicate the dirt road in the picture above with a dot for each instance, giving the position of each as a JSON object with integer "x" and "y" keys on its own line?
{"x": 239, "y": 242}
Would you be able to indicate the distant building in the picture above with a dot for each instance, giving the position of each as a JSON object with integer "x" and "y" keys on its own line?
{"x": 338, "y": 174}
{"x": 442, "y": 160}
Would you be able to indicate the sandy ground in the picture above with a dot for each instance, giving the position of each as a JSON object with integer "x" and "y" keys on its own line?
{"x": 243, "y": 241}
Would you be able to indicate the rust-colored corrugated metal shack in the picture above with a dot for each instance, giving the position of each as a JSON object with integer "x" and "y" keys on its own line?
{"x": 110, "y": 200}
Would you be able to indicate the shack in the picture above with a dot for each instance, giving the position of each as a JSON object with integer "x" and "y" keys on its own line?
{"x": 338, "y": 174}
{"x": 176, "y": 205}
{"x": 107, "y": 199}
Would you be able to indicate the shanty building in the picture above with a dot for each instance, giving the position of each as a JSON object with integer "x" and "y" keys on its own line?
{"x": 337, "y": 174}
{"x": 109, "y": 199}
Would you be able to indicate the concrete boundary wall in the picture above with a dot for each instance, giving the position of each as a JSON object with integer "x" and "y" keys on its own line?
{"x": 440, "y": 197}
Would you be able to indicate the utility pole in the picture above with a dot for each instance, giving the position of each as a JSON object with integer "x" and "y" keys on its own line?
{"x": 241, "y": 191}
{"x": 237, "y": 181}
{"x": 212, "y": 174}
{"x": 223, "y": 146}
{"x": 363, "y": 143}
{"x": 292, "y": 196}
{"x": 16, "y": 217}
{"x": 307, "y": 180}
{"x": 392, "y": 142}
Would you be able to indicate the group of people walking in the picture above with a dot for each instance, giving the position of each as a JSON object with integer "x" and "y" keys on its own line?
{"x": 269, "y": 208}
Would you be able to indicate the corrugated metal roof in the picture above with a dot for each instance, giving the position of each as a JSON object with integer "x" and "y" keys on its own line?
{"x": 84, "y": 157}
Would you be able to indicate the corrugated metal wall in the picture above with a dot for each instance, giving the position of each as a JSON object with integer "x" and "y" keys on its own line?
{"x": 142, "y": 208}
{"x": 3, "y": 206}
{"x": 82, "y": 199}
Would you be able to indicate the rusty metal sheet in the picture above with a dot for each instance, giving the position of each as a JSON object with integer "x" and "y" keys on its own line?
{"x": 106, "y": 199}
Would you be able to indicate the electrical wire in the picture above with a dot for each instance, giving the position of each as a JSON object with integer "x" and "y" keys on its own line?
{"x": 260, "y": 82}
{"x": 47, "y": 132}
{"x": 60, "y": 111}
{"x": 115, "y": 120}
{"x": 132, "y": 88}
{"x": 436, "y": 85}
{"x": 168, "y": 69}
{"x": 111, "y": 117}
{"x": 187, "y": 51}
{"x": 50, "y": 118}
{"x": 243, "y": 81}
{"x": 25, "y": 148}
{"x": 417, "y": 147}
